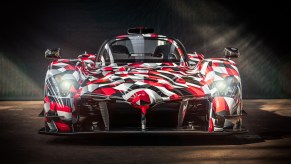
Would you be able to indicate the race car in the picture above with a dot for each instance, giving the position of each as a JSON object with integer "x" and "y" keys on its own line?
{"x": 142, "y": 82}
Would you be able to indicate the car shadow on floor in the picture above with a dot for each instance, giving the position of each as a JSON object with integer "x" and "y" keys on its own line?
{"x": 155, "y": 140}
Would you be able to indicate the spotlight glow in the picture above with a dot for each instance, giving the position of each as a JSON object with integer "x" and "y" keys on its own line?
{"x": 15, "y": 83}
{"x": 259, "y": 65}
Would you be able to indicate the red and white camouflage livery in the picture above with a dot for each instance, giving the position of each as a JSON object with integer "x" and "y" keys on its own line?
{"x": 142, "y": 82}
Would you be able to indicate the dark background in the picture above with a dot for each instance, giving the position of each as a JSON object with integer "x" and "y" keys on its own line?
{"x": 259, "y": 30}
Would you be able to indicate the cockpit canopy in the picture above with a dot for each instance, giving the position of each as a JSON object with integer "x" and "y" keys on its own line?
{"x": 141, "y": 49}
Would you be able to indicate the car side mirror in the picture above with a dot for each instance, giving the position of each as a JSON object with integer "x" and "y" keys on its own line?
{"x": 231, "y": 52}
{"x": 53, "y": 54}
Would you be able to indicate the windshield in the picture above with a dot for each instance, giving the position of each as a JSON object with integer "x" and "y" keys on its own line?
{"x": 138, "y": 49}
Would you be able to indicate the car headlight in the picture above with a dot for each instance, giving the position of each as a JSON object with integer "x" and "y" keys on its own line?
{"x": 227, "y": 87}
{"x": 65, "y": 86}
{"x": 221, "y": 85}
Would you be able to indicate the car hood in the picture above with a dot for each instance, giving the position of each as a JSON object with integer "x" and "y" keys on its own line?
{"x": 142, "y": 84}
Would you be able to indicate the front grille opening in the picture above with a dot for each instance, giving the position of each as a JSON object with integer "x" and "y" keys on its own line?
{"x": 160, "y": 116}
{"x": 163, "y": 116}
{"x": 197, "y": 115}
{"x": 123, "y": 115}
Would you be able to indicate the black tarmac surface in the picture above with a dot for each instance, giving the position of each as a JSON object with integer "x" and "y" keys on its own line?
{"x": 268, "y": 140}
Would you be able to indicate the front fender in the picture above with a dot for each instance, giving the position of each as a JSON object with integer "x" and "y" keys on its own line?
{"x": 222, "y": 77}
{"x": 61, "y": 89}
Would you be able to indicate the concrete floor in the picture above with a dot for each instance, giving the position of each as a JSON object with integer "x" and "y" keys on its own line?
{"x": 268, "y": 140}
